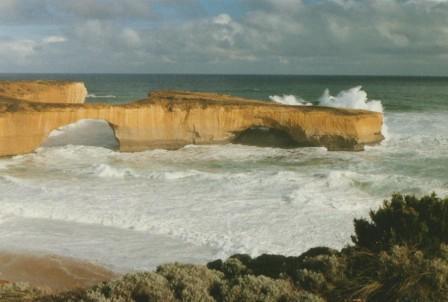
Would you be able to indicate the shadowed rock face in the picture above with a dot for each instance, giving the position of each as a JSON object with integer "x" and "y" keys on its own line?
{"x": 265, "y": 137}
{"x": 171, "y": 120}
{"x": 44, "y": 91}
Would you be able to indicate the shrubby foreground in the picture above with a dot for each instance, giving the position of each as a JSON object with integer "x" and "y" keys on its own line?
{"x": 399, "y": 254}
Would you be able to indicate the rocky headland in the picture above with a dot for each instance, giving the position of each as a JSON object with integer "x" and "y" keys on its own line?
{"x": 173, "y": 119}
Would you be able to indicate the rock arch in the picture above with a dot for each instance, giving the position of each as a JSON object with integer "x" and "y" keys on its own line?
{"x": 266, "y": 137}
{"x": 86, "y": 132}
{"x": 171, "y": 120}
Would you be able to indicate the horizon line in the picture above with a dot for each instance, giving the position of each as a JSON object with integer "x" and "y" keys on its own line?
{"x": 226, "y": 74}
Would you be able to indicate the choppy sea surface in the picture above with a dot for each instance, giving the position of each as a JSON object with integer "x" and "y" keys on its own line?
{"x": 76, "y": 196}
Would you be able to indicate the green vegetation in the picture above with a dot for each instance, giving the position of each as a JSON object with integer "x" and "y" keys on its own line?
{"x": 400, "y": 254}
{"x": 405, "y": 220}
{"x": 183, "y": 282}
{"x": 18, "y": 292}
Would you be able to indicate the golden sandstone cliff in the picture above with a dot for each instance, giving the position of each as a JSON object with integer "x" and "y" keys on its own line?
{"x": 44, "y": 91}
{"x": 171, "y": 120}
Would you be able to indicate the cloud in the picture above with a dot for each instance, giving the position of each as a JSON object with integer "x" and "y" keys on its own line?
{"x": 259, "y": 36}
{"x": 16, "y": 50}
{"x": 130, "y": 37}
{"x": 50, "y": 11}
{"x": 54, "y": 39}
{"x": 222, "y": 19}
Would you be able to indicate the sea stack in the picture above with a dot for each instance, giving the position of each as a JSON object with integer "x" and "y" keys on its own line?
{"x": 44, "y": 91}
{"x": 172, "y": 119}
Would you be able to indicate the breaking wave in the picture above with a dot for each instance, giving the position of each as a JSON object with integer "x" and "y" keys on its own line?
{"x": 84, "y": 132}
{"x": 289, "y": 100}
{"x": 107, "y": 171}
{"x": 94, "y": 96}
{"x": 353, "y": 98}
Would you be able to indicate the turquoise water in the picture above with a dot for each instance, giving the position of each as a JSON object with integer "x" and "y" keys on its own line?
{"x": 76, "y": 196}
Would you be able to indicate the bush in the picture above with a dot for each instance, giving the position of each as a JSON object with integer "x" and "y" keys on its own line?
{"x": 18, "y": 292}
{"x": 405, "y": 220}
{"x": 191, "y": 282}
{"x": 402, "y": 274}
{"x": 263, "y": 289}
{"x": 181, "y": 282}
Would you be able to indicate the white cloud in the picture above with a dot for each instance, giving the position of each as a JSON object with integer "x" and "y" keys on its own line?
{"x": 131, "y": 37}
{"x": 222, "y": 19}
{"x": 54, "y": 39}
{"x": 17, "y": 51}
{"x": 325, "y": 36}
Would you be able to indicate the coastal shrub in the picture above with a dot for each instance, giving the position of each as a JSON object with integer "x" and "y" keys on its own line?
{"x": 405, "y": 220}
{"x": 402, "y": 274}
{"x": 191, "y": 282}
{"x": 263, "y": 289}
{"x": 18, "y": 292}
{"x": 153, "y": 288}
{"x": 314, "y": 270}
{"x": 274, "y": 266}
{"x": 179, "y": 282}
{"x": 138, "y": 287}
{"x": 321, "y": 274}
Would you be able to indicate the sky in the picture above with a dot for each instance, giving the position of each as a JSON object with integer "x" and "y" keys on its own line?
{"x": 343, "y": 37}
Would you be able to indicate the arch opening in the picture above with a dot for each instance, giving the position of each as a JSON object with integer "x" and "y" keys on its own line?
{"x": 265, "y": 137}
{"x": 85, "y": 132}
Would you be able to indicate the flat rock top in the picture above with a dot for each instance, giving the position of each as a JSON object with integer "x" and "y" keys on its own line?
{"x": 55, "y": 83}
{"x": 206, "y": 98}
{"x": 44, "y": 91}
{"x": 18, "y": 88}
{"x": 182, "y": 99}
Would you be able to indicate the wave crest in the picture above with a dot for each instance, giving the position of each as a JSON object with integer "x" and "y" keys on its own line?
{"x": 353, "y": 98}
{"x": 94, "y": 96}
{"x": 289, "y": 100}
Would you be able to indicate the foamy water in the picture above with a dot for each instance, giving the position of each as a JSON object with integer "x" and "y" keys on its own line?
{"x": 78, "y": 197}
{"x": 353, "y": 98}
{"x": 137, "y": 210}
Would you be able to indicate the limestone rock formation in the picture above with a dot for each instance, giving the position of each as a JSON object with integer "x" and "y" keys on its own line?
{"x": 171, "y": 120}
{"x": 44, "y": 91}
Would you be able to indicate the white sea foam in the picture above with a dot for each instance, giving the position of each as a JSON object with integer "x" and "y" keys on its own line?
{"x": 107, "y": 171}
{"x": 94, "y": 96}
{"x": 84, "y": 132}
{"x": 226, "y": 199}
{"x": 290, "y": 100}
{"x": 355, "y": 98}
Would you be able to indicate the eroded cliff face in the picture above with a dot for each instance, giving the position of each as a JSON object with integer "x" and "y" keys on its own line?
{"x": 44, "y": 91}
{"x": 172, "y": 120}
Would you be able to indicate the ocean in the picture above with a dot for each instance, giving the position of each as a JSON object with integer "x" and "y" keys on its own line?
{"x": 76, "y": 196}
